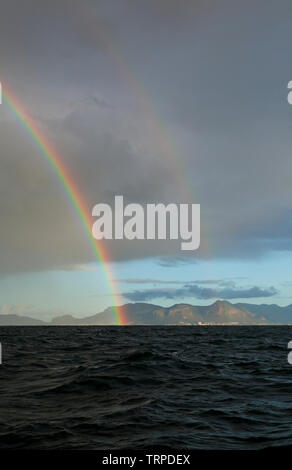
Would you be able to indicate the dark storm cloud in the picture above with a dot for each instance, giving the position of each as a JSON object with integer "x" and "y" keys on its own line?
{"x": 94, "y": 101}
{"x": 169, "y": 99}
{"x": 198, "y": 292}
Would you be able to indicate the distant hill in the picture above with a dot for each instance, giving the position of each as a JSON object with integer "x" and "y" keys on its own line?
{"x": 19, "y": 320}
{"x": 272, "y": 312}
{"x": 218, "y": 313}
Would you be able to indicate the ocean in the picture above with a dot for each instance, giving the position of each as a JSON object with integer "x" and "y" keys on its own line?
{"x": 190, "y": 387}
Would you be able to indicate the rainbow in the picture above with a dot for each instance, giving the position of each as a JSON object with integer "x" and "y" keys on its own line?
{"x": 72, "y": 191}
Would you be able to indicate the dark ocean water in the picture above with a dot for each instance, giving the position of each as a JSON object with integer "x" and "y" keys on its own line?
{"x": 139, "y": 387}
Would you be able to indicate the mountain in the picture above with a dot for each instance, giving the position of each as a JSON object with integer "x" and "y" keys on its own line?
{"x": 271, "y": 312}
{"x": 137, "y": 313}
{"x": 19, "y": 320}
{"x": 65, "y": 320}
{"x": 220, "y": 312}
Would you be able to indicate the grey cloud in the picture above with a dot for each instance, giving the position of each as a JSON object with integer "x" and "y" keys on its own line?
{"x": 39, "y": 227}
{"x": 172, "y": 261}
{"x": 94, "y": 101}
{"x": 146, "y": 281}
{"x": 201, "y": 293}
{"x": 221, "y": 282}
{"x": 194, "y": 107}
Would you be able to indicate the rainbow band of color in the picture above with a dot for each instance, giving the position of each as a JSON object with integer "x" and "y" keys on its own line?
{"x": 72, "y": 191}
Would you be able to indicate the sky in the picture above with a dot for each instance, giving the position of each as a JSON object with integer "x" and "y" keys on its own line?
{"x": 158, "y": 101}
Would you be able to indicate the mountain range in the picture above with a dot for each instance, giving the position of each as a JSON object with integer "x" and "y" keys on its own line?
{"x": 219, "y": 313}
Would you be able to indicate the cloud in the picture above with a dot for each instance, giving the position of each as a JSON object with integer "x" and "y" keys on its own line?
{"x": 225, "y": 282}
{"x": 92, "y": 100}
{"x": 146, "y": 281}
{"x": 201, "y": 293}
{"x": 153, "y": 130}
{"x": 17, "y": 309}
{"x": 173, "y": 261}
{"x": 39, "y": 229}
{"x": 78, "y": 267}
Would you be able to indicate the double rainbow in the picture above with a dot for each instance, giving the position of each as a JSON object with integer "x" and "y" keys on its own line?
{"x": 73, "y": 192}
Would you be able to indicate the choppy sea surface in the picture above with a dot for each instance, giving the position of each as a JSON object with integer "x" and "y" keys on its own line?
{"x": 137, "y": 387}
